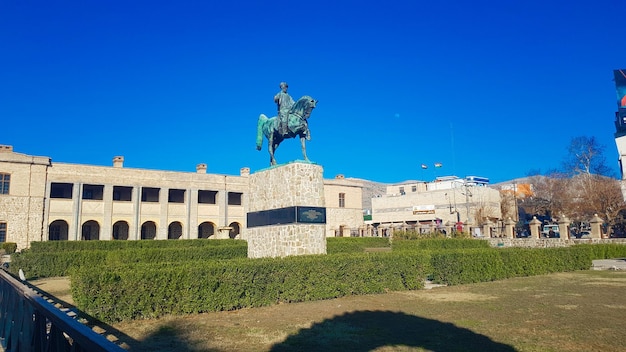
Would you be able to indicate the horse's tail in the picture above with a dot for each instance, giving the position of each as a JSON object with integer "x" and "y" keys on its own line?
{"x": 259, "y": 131}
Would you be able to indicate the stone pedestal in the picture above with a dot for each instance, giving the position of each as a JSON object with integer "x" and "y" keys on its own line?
{"x": 535, "y": 228}
{"x": 509, "y": 228}
{"x": 287, "y": 214}
{"x": 596, "y": 226}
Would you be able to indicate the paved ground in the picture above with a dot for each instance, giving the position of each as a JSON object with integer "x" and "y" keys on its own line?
{"x": 609, "y": 264}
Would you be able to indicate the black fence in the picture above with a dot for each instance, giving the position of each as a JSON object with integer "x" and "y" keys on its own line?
{"x": 28, "y": 322}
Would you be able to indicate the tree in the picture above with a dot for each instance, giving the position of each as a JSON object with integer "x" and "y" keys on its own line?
{"x": 604, "y": 197}
{"x": 586, "y": 157}
{"x": 549, "y": 195}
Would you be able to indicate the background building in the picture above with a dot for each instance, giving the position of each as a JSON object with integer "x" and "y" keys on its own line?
{"x": 41, "y": 200}
{"x": 427, "y": 206}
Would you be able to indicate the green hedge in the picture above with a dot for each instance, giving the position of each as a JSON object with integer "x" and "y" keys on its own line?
{"x": 437, "y": 244}
{"x": 9, "y": 247}
{"x": 605, "y": 250}
{"x": 56, "y": 246}
{"x": 39, "y": 264}
{"x": 455, "y": 267}
{"x": 335, "y": 245}
{"x": 147, "y": 291}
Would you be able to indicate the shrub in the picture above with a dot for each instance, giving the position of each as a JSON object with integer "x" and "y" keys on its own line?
{"x": 9, "y": 247}
{"x": 143, "y": 291}
{"x": 455, "y": 267}
{"x": 438, "y": 243}
{"x": 58, "y": 263}
{"x": 56, "y": 246}
{"x": 335, "y": 245}
{"x": 605, "y": 250}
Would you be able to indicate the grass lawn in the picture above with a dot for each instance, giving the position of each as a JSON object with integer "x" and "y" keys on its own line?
{"x": 578, "y": 311}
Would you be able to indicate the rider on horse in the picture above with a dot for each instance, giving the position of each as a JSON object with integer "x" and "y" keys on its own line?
{"x": 284, "y": 102}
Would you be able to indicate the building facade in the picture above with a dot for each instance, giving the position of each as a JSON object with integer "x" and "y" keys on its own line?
{"x": 41, "y": 200}
{"x": 439, "y": 205}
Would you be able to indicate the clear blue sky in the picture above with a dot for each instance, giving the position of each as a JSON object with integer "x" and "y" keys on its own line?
{"x": 489, "y": 88}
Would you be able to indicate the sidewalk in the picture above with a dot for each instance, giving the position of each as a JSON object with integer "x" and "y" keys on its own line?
{"x": 609, "y": 264}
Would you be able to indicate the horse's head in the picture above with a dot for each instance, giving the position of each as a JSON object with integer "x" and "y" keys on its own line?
{"x": 304, "y": 106}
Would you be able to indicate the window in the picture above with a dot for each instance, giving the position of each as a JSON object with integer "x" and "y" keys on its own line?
{"x": 3, "y": 231}
{"x": 207, "y": 197}
{"x": 149, "y": 194}
{"x": 61, "y": 190}
{"x": 402, "y": 190}
{"x": 342, "y": 200}
{"x": 5, "y": 180}
{"x": 55, "y": 233}
{"x": 234, "y": 198}
{"x": 413, "y": 188}
{"x": 93, "y": 192}
{"x": 176, "y": 196}
{"x": 122, "y": 193}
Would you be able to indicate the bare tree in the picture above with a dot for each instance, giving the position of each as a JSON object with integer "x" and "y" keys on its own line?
{"x": 603, "y": 198}
{"x": 549, "y": 195}
{"x": 508, "y": 204}
{"x": 586, "y": 157}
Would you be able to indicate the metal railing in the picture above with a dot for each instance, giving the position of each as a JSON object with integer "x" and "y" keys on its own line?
{"x": 28, "y": 322}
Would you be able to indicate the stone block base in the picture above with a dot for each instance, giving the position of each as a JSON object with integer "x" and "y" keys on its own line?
{"x": 297, "y": 184}
{"x": 286, "y": 240}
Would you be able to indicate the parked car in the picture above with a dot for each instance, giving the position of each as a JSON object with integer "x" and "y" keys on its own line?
{"x": 583, "y": 234}
{"x": 550, "y": 231}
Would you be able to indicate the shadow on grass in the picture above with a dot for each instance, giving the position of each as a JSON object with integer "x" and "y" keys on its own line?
{"x": 168, "y": 338}
{"x": 368, "y": 330}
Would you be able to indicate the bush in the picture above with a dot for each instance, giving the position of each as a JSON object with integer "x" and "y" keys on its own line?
{"x": 605, "y": 250}
{"x": 438, "y": 243}
{"x": 9, "y": 247}
{"x": 455, "y": 267}
{"x": 38, "y": 265}
{"x": 56, "y": 246}
{"x": 145, "y": 291}
{"x": 41, "y": 264}
{"x": 335, "y": 245}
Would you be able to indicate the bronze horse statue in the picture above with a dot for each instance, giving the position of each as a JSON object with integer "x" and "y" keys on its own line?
{"x": 297, "y": 125}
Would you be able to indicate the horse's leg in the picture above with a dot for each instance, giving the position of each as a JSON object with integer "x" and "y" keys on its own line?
{"x": 271, "y": 148}
{"x": 303, "y": 143}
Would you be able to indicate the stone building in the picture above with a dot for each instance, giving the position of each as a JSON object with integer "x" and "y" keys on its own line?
{"x": 441, "y": 204}
{"x": 41, "y": 200}
{"x": 344, "y": 208}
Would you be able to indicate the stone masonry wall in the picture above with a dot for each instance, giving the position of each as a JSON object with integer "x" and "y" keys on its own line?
{"x": 293, "y": 184}
{"x": 287, "y": 185}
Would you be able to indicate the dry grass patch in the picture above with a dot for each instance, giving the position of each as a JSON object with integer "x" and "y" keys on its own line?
{"x": 579, "y": 311}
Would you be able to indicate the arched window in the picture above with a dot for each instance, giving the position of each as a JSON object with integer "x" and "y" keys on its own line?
{"x": 148, "y": 230}
{"x": 90, "y": 231}
{"x": 174, "y": 231}
{"x": 206, "y": 229}
{"x": 57, "y": 230}
{"x": 120, "y": 230}
{"x": 235, "y": 230}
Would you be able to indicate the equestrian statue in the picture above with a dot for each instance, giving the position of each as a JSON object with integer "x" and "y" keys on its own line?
{"x": 290, "y": 122}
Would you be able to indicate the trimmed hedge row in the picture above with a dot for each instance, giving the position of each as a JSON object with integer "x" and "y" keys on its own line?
{"x": 335, "y": 245}
{"x": 38, "y": 264}
{"x": 438, "y": 243}
{"x": 148, "y": 291}
{"x": 56, "y": 246}
{"x": 606, "y": 250}
{"x": 455, "y": 267}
